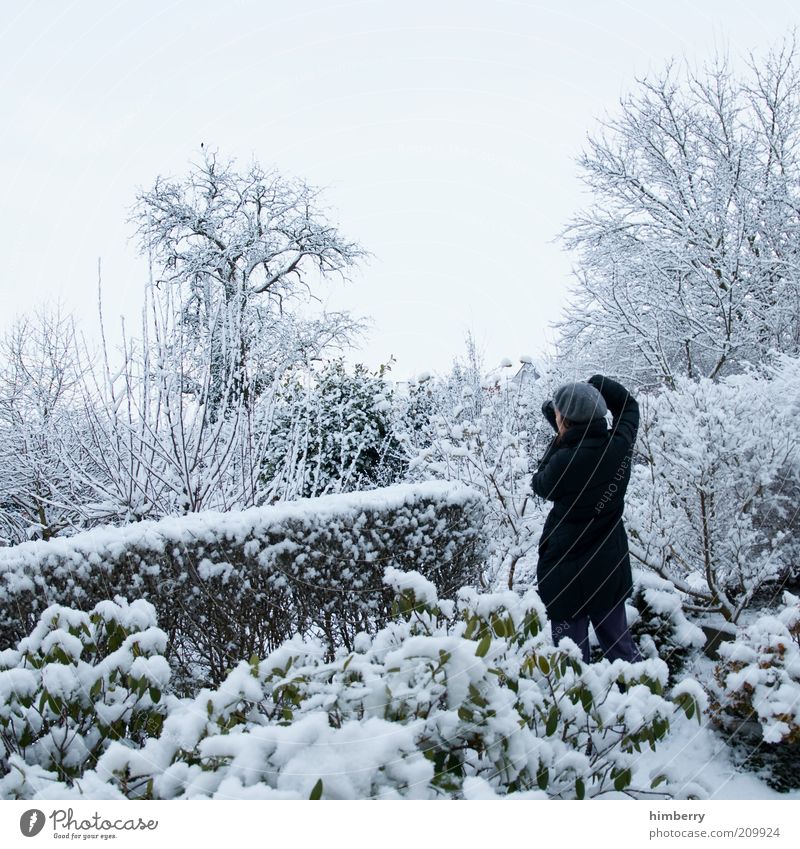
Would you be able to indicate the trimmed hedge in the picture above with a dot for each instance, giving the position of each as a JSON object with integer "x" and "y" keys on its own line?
{"x": 231, "y": 585}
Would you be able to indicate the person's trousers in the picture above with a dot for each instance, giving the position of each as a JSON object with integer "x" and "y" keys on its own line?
{"x": 611, "y": 628}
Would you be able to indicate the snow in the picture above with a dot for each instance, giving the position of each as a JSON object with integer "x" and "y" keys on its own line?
{"x": 423, "y": 589}
{"x": 16, "y": 682}
{"x": 60, "y": 680}
{"x": 695, "y": 755}
{"x": 102, "y": 542}
{"x": 694, "y": 689}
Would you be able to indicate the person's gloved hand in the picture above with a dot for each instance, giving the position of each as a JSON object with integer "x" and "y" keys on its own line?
{"x": 614, "y": 394}
{"x": 596, "y": 380}
{"x": 549, "y": 412}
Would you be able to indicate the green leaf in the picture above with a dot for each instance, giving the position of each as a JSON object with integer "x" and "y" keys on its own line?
{"x": 552, "y": 722}
{"x": 155, "y": 694}
{"x": 476, "y": 697}
{"x": 316, "y": 790}
{"x": 543, "y": 778}
{"x": 472, "y": 624}
{"x": 543, "y": 664}
{"x": 659, "y": 779}
{"x": 580, "y": 788}
{"x": 622, "y": 780}
{"x": 483, "y": 646}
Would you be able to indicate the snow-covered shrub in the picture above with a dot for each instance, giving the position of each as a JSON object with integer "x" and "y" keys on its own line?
{"x": 755, "y": 695}
{"x": 713, "y": 509}
{"x": 661, "y": 628}
{"x": 487, "y": 433}
{"x": 449, "y": 699}
{"x": 758, "y": 676}
{"x": 227, "y": 585}
{"x": 332, "y": 432}
{"x": 77, "y": 683}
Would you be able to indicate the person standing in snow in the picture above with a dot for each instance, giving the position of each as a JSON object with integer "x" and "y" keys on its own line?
{"x": 584, "y": 569}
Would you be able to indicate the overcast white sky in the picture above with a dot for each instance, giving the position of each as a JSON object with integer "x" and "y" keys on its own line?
{"x": 445, "y": 133}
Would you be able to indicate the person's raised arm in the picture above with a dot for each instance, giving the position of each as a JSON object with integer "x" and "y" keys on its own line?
{"x": 623, "y": 406}
{"x": 547, "y": 479}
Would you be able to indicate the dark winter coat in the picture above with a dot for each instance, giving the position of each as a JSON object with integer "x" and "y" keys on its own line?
{"x": 584, "y": 565}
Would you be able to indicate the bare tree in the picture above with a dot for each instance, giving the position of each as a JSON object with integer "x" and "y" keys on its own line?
{"x": 40, "y": 378}
{"x": 689, "y": 254}
{"x": 180, "y": 418}
{"x": 238, "y": 245}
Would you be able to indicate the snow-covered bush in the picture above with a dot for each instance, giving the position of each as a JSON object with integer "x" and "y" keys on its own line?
{"x": 755, "y": 696}
{"x": 713, "y": 509}
{"x": 486, "y": 433}
{"x": 464, "y": 698}
{"x": 227, "y": 585}
{"x": 77, "y": 683}
{"x": 757, "y": 678}
{"x": 661, "y": 628}
{"x": 332, "y": 432}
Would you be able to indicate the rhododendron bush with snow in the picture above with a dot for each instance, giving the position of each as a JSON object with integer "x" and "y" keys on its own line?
{"x": 755, "y": 695}
{"x": 453, "y": 698}
{"x": 758, "y": 676}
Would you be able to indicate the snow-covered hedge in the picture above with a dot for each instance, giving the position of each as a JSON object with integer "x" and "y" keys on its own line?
{"x": 228, "y": 585}
{"x": 464, "y": 698}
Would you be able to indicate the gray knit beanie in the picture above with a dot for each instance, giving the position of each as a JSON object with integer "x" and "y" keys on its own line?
{"x": 579, "y": 402}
